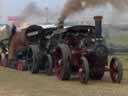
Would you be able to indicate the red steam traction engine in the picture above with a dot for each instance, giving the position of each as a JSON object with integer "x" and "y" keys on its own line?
{"x": 83, "y": 52}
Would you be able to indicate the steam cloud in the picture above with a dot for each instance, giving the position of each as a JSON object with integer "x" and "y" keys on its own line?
{"x": 31, "y": 9}
{"x": 33, "y": 12}
{"x": 73, "y": 6}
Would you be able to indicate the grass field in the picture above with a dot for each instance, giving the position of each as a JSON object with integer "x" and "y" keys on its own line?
{"x": 119, "y": 38}
{"x": 14, "y": 83}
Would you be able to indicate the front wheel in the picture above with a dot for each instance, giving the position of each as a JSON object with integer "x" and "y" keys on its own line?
{"x": 116, "y": 70}
{"x": 84, "y": 71}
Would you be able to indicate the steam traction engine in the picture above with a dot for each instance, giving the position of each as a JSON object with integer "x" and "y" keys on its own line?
{"x": 83, "y": 52}
{"x": 40, "y": 49}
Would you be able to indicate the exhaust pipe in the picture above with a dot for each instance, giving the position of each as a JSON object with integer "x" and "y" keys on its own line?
{"x": 61, "y": 24}
{"x": 98, "y": 26}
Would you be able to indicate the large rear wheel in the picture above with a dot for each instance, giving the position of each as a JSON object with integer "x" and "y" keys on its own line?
{"x": 62, "y": 62}
{"x": 35, "y": 65}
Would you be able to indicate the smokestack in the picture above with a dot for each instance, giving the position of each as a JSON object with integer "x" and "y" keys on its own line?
{"x": 98, "y": 26}
{"x": 61, "y": 23}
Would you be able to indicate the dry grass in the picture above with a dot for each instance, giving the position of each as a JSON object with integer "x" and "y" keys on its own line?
{"x": 14, "y": 83}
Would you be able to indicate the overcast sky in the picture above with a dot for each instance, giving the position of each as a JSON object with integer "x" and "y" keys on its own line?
{"x": 15, "y": 7}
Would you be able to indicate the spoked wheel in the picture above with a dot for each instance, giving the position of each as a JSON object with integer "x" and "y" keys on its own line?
{"x": 49, "y": 65}
{"x": 84, "y": 71}
{"x": 35, "y": 65}
{"x": 116, "y": 70}
{"x": 62, "y": 62}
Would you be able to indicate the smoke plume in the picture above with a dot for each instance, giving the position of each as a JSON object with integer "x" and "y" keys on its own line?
{"x": 31, "y": 9}
{"x": 73, "y": 6}
{"x": 32, "y": 12}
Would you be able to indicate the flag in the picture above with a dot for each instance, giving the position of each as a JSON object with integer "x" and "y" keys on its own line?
{"x": 11, "y": 18}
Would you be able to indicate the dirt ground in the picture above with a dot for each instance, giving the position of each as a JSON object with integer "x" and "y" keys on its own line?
{"x": 14, "y": 83}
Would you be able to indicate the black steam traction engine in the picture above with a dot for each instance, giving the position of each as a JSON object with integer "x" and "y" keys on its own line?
{"x": 40, "y": 50}
{"x": 83, "y": 52}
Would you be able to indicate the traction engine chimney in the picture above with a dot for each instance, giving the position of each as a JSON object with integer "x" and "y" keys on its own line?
{"x": 98, "y": 26}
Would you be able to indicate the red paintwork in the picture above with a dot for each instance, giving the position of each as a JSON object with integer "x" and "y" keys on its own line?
{"x": 76, "y": 52}
{"x": 58, "y": 67}
{"x": 18, "y": 42}
{"x": 76, "y": 55}
{"x": 19, "y": 66}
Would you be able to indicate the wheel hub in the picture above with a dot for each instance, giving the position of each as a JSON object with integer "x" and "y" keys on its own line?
{"x": 81, "y": 70}
{"x": 60, "y": 62}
